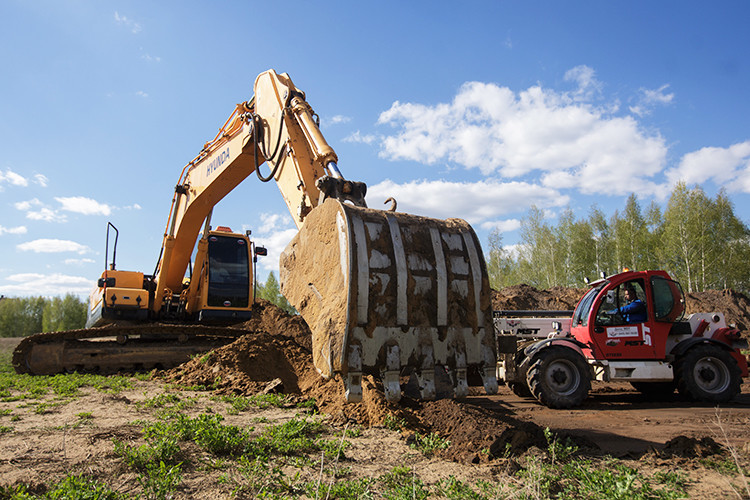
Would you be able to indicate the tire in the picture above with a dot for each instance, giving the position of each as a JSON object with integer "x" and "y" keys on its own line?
{"x": 520, "y": 389}
{"x": 559, "y": 377}
{"x": 655, "y": 391}
{"x": 709, "y": 374}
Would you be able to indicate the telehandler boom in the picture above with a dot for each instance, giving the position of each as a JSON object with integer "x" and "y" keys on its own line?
{"x": 383, "y": 292}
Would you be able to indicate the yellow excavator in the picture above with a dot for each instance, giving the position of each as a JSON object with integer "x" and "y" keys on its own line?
{"x": 383, "y": 292}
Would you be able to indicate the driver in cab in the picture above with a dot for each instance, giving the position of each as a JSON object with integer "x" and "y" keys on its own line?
{"x": 634, "y": 311}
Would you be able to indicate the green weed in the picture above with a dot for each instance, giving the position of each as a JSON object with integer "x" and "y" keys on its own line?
{"x": 350, "y": 489}
{"x": 430, "y": 443}
{"x": 401, "y": 483}
{"x": 455, "y": 489}
{"x": 147, "y": 456}
{"x": 258, "y": 477}
{"x": 393, "y": 422}
{"x": 76, "y": 487}
{"x": 159, "y": 481}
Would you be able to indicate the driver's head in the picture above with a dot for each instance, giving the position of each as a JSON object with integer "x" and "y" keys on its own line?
{"x": 630, "y": 293}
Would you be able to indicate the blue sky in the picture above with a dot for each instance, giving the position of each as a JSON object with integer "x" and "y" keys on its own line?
{"x": 473, "y": 109}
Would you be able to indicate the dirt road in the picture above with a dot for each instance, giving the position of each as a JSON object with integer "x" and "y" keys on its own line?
{"x": 620, "y": 422}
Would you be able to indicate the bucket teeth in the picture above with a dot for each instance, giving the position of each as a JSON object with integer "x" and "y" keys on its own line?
{"x": 391, "y": 378}
{"x": 426, "y": 376}
{"x": 461, "y": 387}
{"x": 489, "y": 380}
{"x": 353, "y": 382}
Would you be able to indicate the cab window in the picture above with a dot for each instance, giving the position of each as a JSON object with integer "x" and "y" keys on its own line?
{"x": 624, "y": 305}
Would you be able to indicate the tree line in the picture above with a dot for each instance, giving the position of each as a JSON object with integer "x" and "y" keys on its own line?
{"x": 698, "y": 239}
{"x": 22, "y": 316}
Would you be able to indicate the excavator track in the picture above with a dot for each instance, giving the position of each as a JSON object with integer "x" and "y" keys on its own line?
{"x": 118, "y": 348}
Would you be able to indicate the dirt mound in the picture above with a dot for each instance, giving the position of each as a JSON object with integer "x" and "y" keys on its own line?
{"x": 525, "y": 297}
{"x": 735, "y": 305}
{"x": 687, "y": 447}
{"x": 277, "y": 346}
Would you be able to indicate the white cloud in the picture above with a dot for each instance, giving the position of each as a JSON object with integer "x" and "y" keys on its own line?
{"x": 335, "y": 120}
{"x": 501, "y": 225}
{"x": 273, "y": 222}
{"x": 553, "y": 133}
{"x": 275, "y": 242}
{"x": 83, "y": 205}
{"x": 141, "y": 93}
{"x": 122, "y": 20}
{"x": 585, "y": 78}
{"x": 13, "y": 230}
{"x": 729, "y": 166}
{"x": 476, "y": 202}
{"x": 79, "y": 262}
{"x": 41, "y": 179}
{"x": 45, "y": 245}
{"x": 649, "y": 98}
{"x": 12, "y": 178}
{"x": 150, "y": 58}
{"x": 36, "y": 210}
{"x": 359, "y": 137}
{"x": 46, "y": 285}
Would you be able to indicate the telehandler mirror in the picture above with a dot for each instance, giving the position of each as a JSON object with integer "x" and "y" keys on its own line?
{"x": 262, "y": 251}
{"x": 611, "y": 297}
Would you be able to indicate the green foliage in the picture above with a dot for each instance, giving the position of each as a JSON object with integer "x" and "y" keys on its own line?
{"x": 699, "y": 240}
{"x": 164, "y": 449}
{"x": 295, "y": 437}
{"x": 402, "y": 483}
{"x": 348, "y": 489}
{"x": 258, "y": 477}
{"x": 430, "y": 443}
{"x": 563, "y": 475}
{"x": 61, "y": 385}
{"x": 271, "y": 292}
{"x": 159, "y": 481}
{"x": 23, "y": 316}
{"x": 76, "y": 487}
{"x": 393, "y": 422}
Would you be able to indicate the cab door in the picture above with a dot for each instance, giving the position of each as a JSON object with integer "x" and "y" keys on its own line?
{"x": 614, "y": 332}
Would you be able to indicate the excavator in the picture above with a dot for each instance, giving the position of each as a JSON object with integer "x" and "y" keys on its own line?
{"x": 384, "y": 293}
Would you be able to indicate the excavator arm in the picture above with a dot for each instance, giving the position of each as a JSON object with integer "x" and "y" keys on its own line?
{"x": 277, "y": 126}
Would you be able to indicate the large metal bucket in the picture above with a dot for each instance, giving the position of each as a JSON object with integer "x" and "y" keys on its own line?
{"x": 391, "y": 294}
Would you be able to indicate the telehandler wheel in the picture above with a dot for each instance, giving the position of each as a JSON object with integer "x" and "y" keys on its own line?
{"x": 558, "y": 377}
{"x": 709, "y": 374}
{"x": 520, "y": 389}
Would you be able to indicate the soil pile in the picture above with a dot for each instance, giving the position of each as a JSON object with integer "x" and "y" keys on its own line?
{"x": 527, "y": 298}
{"x": 734, "y": 305}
